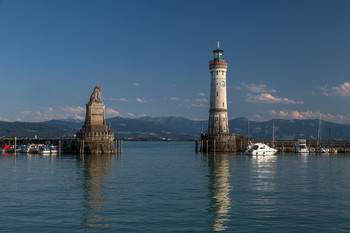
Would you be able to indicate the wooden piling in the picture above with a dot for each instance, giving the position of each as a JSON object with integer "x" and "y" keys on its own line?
{"x": 214, "y": 145}
{"x": 15, "y": 145}
{"x": 207, "y": 146}
{"x": 118, "y": 148}
{"x": 121, "y": 146}
{"x": 196, "y": 146}
{"x": 202, "y": 146}
{"x": 59, "y": 146}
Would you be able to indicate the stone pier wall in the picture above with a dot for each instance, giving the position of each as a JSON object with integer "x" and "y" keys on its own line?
{"x": 219, "y": 142}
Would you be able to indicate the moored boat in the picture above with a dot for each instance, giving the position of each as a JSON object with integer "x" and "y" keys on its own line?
{"x": 5, "y": 148}
{"x": 260, "y": 149}
{"x": 301, "y": 147}
{"x": 44, "y": 150}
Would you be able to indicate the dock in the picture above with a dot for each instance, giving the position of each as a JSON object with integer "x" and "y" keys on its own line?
{"x": 342, "y": 146}
{"x": 64, "y": 145}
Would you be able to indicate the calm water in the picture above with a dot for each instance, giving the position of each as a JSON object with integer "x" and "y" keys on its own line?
{"x": 166, "y": 187}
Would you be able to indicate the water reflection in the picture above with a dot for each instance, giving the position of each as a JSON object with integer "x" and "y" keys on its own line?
{"x": 219, "y": 190}
{"x": 264, "y": 172}
{"x": 96, "y": 167}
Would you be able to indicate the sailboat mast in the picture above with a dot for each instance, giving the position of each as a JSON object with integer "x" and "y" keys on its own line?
{"x": 319, "y": 132}
{"x": 248, "y": 130}
{"x": 273, "y": 133}
{"x": 330, "y": 135}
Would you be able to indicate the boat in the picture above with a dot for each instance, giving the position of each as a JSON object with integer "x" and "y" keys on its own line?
{"x": 333, "y": 150}
{"x": 320, "y": 147}
{"x": 323, "y": 150}
{"x": 45, "y": 150}
{"x": 33, "y": 149}
{"x": 301, "y": 147}
{"x": 249, "y": 145}
{"x": 260, "y": 149}
{"x": 5, "y": 148}
{"x": 26, "y": 148}
{"x": 53, "y": 149}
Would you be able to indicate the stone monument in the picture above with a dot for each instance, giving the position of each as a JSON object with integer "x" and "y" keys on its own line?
{"x": 95, "y": 137}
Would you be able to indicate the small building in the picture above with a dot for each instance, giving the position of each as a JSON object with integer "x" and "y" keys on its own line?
{"x": 95, "y": 137}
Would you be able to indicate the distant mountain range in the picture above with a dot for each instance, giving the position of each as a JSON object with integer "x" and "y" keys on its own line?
{"x": 180, "y": 128}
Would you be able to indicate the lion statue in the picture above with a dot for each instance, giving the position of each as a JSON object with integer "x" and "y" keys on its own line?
{"x": 96, "y": 95}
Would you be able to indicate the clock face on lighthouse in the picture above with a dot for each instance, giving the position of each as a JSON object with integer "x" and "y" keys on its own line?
{"x": 222, "y": 84}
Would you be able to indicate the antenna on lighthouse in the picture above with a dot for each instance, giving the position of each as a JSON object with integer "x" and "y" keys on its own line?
{"x": 218, "y": 44}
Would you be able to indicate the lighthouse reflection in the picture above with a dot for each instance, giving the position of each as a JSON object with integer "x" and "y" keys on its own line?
{"x": 96, "y": 167}
{"x": 219, "y": 191}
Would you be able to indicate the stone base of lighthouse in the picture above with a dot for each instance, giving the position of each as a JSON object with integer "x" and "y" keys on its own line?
{"x": 224, "y": 142}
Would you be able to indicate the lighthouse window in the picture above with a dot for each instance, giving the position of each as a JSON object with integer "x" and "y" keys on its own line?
{"x": 223, "y": 104}
{"x": 217, "y": 93}
{"x": 217, "y": 72}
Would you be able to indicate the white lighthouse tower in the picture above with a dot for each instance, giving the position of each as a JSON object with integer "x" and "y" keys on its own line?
{"x": 218, "y": 122}
{"x": 218, "y": 138}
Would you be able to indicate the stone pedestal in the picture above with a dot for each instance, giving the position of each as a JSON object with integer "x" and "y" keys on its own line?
{"x": 95, "y": 118}
{"x": 219, "y": 142}
{"x": 95, "y": 138}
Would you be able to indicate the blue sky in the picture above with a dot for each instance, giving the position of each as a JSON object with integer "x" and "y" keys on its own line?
{"x": 287, "y": 59}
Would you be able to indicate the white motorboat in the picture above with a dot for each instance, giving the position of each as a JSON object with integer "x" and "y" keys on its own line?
{"x": 260, "y": 149}
{"x": 47, "y": 150}
{"x": 53, "y": 149}
{"x": 44, "y": 150}
{"x": 301, "y": 147}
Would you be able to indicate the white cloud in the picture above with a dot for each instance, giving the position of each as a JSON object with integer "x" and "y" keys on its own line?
{"x": 112, "y": 113}
{"x": 269, "y": 99}
{"x": 140, "y": 100}
{"x": 324, "y": 90}
{"x": 235, "y": 87}
{"x": 201, "y": 94}
{"x": 342, "y": 90}
{"x": 136, "y": 84}
{"x": 174, "y": 99}
{"x": 142, "y": 115}
{"x": 198, "y": 119}
{"x": 258, "y": 88}
{"x": 202, "y": 100}
{"x": 5, "y": 119}
{"x": 192, "y": 105}
{"x": 45, "y": 114}
{"x": 115, "y": 99}
{"x": 301, "y": 115}
{"x": 130, "y": 114}
{"x": 258, "y": 117}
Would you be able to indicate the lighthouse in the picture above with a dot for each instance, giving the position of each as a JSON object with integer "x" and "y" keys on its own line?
{"x": 218, "y": 122}
{"x": 218, "y": 138}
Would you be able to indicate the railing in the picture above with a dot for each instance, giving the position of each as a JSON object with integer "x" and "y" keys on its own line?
{"x": 218, "y": 62}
